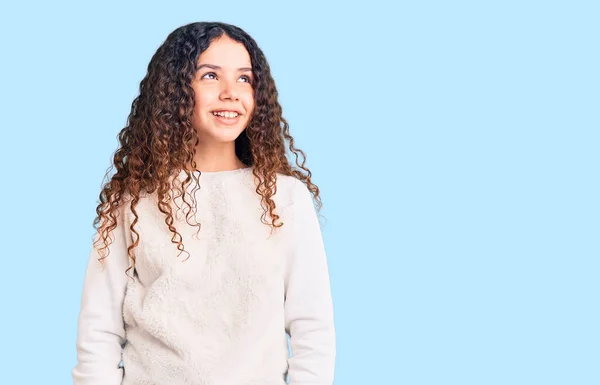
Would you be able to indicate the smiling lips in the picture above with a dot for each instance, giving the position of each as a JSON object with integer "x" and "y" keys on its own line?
{"x": 226, "y": 114}
{"x": 228, "y": 118}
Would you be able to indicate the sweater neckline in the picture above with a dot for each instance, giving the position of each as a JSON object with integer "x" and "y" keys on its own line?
{"x": 217, "y": 174}
{"x": 223, "y": 172}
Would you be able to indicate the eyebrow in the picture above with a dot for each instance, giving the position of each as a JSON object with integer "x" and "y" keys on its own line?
{"x": 214, "y": 67}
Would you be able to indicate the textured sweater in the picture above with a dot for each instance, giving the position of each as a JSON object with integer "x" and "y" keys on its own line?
{"x": 222, "y": 316}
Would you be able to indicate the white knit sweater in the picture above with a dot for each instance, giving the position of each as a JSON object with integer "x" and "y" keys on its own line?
{"x": 221, "y": 317}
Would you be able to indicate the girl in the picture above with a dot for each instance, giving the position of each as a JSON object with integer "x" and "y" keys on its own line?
{"x": 164, "y": 303}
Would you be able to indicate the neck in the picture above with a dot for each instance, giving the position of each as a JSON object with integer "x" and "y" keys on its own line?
{"x": 219, "y": 157}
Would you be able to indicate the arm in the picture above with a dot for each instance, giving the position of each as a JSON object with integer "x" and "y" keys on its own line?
{"x": 101, "y": 333}
{"x": 308, "y": 303}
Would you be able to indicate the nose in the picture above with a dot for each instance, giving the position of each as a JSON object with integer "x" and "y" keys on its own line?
{"x": 228, "y": 91}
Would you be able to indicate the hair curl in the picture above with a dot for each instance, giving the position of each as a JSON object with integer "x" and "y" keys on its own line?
{"x": 159, "y": 139}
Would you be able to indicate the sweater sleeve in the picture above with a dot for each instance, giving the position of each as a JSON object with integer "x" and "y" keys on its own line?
{"x": 308, "y": 303}
{"x": 101, "y": 334}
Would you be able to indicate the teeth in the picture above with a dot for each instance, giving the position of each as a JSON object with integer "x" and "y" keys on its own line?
{"x": 226, "y": 114}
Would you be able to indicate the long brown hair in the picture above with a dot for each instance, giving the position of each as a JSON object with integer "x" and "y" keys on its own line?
{"x": 159, "y": 138}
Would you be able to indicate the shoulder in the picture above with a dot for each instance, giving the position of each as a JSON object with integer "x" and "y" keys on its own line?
{"x": 296, "y": 199}
{"x": 291, "y": 187}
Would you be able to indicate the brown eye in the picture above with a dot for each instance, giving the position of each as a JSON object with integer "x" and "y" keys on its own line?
{"x": 208, "y": 73}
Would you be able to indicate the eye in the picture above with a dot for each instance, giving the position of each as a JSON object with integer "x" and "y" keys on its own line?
{"x": 249, "y": 80}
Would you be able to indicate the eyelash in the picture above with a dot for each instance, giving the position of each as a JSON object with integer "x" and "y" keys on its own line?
{"x": 212, "y": 73}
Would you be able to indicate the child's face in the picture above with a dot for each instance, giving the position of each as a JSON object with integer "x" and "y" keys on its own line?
{"x": 227, "y": 88}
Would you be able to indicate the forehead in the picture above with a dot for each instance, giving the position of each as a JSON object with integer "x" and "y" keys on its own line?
{"x": 225, "y": 52}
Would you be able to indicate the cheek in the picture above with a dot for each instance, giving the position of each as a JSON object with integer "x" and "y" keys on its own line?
{"x": 204, "y": 99}
{"x": 249, "y": 102}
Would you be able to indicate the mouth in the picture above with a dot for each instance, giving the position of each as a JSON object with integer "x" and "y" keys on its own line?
{"x": 228, "y": 118}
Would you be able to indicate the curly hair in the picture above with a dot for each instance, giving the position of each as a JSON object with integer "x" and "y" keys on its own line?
{"x": 159, "y": 139}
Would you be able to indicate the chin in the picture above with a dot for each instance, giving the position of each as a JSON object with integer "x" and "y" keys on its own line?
{"x": 225, "y": 136}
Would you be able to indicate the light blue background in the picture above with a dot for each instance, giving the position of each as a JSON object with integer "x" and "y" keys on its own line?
{"x": 455, "y": 144}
